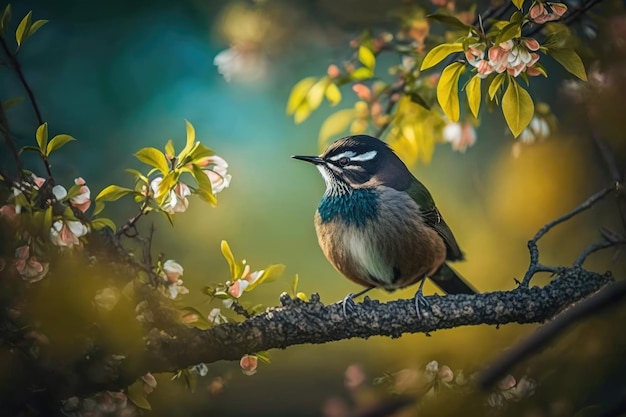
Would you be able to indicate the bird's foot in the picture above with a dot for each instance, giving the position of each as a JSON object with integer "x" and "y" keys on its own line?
{"x": 420, "y": 301}
{"x": 348, "y": 305}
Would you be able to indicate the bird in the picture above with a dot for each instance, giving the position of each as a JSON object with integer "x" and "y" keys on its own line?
{"x": 378, "y": 225}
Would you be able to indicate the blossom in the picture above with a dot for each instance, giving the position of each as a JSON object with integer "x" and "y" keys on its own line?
{"x": 59, "y": 192}
{"x": 249, "y": 364}
{"x": 460, "y": 135}
{"x": 538, "y": 129}
{"x": 241, "y": 63}
{"x": 333, "y": 71}
{"x": 65, "y": 233}
{"x": 362, "y": 91}
{"x": 238, "y": 287}
{"x": 174, "y": 290}
{"x": 540, "y": 14}
{"x": 176, "y": 201}
{"x": 149, "y": 383}
{"x": 82, "y": 200}
{"x": 216, "y": 170}
{"x": 475, "y": 57}
{"x": 29, "y": 267}
{"x": 9, "y": 211}
{"x": 216, "y": 317}
{"x": 173, "y": 271}
{"x": 354, "y": 376}
{"x": 514, "y": 57}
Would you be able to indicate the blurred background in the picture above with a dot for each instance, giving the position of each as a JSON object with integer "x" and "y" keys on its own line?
{"x": 119, "y": 76}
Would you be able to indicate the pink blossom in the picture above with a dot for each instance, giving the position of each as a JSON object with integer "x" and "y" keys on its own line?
{"x": 513, "y": 57}
{"x": 460, "y": 135}
{"x": 173, "y": 271}
{"x": 82, "y": 201}
{"x": 39, "y": 182}
{"x": 474, "y": 54}
{"x": 174, "y": 290}
{"x": 217, "y": 172}
{"x": 176, "y": 201}
{"x": 65, "y": 233}
{"x": 237, "y": 288}
{"x": 362, "y": 91}
{"x": 354, "y": 376}
{"x": 248, "y": 364}
{"x": 333, "y": 71}
{"x": 149, "y": 383}
{"x": 9, "y": 211}
{"x": 484, "y": 68}
{"x": 540, "y": 14}
{"x": 29, "y": 267}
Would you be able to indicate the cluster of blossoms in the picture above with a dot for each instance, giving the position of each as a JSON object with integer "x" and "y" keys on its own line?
{"x": 215, "y": 168}
{"x": 64, "y": 232}
{"x": 171, "y": 273}
{"x": 513, "y": 56}
{"x": 240, "y": 284}
{"x": 541, "y": 12}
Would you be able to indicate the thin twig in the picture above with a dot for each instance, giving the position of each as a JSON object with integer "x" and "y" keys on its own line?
{"x": 6, "y": 133}
{"x": 534, "y": 265}
{"x": 606, "y": 297}
{"x": 133, "y": 220}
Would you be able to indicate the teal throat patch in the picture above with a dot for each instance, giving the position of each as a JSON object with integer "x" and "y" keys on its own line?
{"x": 354, "y": 208}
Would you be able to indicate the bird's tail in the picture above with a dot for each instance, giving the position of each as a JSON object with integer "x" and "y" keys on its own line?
{"x": 451, "y": 282}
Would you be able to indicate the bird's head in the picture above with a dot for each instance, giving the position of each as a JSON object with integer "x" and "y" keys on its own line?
{"x": 358, "y": 161}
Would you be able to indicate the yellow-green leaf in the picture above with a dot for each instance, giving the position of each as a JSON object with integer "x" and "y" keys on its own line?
{"x": 6, "y": 17}
{"x": 316, "y": 94}
{"x": 234, "y": 266}
{"x": 103, "y": 222}
{"x": 271, "y": 273}
{"x": 495, "y": 84}
{"x": 7, "y": 104}
{"x": 169, "y": 149}
{"x": 57, "y": 142}
{"x": 474, "y": 94}
{"x": 367, "y": 58}
{"x": 263, "y": 356}
{"x": 448, "y": 90}
{"x": 518, "y": 3}
{"x": 22, "y": 29}
{"x": 298, "y": 94}
{"x": 333, "y": 94}
{"x": 113, "y": 192}
{"x": 302, "y": 113}
{"x": 570, "y": 60}
{"x": 294, "y": 285}
{"x": 362, "y": 73}
{"x": 335, "y": 124}
{"x": 137, "y": 395}
{"x": 153, "y": 157}
{"x": 510, "y": 31}
{"x": 439, "y": 53}
{"x": 42, "y": 137}
{"x": 517, "y": 106}
{"x": 34, "y": 28}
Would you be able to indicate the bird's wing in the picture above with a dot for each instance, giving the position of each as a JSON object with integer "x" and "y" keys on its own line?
{"x": 420, "y": 194}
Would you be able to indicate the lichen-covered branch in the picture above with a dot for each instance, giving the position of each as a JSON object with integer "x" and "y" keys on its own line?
{"x": 297, "y": 322}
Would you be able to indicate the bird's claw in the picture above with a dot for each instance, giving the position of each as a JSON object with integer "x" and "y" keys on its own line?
{"x": 420, "y": 301}
{"x": 348, "y": 305}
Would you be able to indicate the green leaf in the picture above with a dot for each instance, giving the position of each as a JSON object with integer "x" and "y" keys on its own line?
{"x": 302, "y": 113}
{"x": 138, "y": 175}
{"x": 517, "y": 106}
{"x": 333, "y": 94}
{"x": 495, "y": 84}
{"x": 42, "y": 137}
{"x": 439, "y": 53}
{"x": 7, "y": 104}
{"x": 235, "y": 267}
{"x": 6, "y": 17}
{"x": 200, "y": 151}
{"x": 137, "y": 395}
{"x": 418, "y": 99}
{"x": 518, "y": 3}
{"x": 316, "y": 94}
{"x": 448, "y": 90}
{"x": 335, "y": 124}
{"x": 367, "y": 58}
{"x": 570, "y": 60}
{"x": 22, "y": 29}
{"x": 57, "y": 142}
{"x": 204, "y": 185}
{"x": 31, "y": 148}
{"x": 298, "y": 94}
{"x": 474, "y": 94}
{"x": 263, "y": 356}
{"x": 510, "y": 31}
{"x": 191, "y": 140}
{"x": 103, "y": 222}
{"x": 362, "y": 73}
{"x": 448, "y": 20}
{"x": 113, "y": 193}
{"x": 34, "y": 28}
{"x": 99, "y": 208}
{"x": 154, "y": 158}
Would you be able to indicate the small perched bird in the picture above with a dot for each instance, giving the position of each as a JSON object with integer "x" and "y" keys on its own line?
{"x": 378, "y": 225}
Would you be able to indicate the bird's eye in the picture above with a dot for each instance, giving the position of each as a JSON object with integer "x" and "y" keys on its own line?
{"x": 344, "y": 161}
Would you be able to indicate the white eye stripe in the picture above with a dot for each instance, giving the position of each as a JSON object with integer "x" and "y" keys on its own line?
{"x": 346, "y": 154}
{"x": 367, "y": 156}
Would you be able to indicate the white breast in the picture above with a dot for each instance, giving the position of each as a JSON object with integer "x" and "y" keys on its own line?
{"x": 365, "y": 251}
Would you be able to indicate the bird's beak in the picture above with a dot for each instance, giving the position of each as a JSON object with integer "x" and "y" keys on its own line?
{"x": 312, "y": 159}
